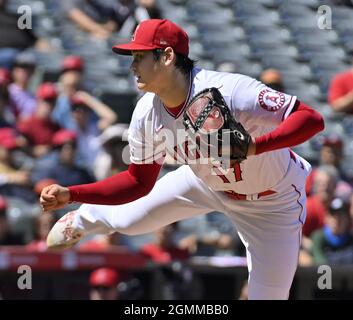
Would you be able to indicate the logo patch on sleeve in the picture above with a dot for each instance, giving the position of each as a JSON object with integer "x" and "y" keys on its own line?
{"x": 271, "y": 100}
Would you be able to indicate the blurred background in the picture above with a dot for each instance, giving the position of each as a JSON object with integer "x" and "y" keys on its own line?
{"x": 66, "y": 102}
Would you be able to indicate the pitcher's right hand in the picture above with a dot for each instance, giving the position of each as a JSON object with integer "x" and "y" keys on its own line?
{"x": 54, "y": 197}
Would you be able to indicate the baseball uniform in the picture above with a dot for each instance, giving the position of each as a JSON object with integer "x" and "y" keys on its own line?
{"x": 264, "y": 195}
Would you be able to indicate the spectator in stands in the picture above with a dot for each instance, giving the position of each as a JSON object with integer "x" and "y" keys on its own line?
{"x": 71, "y": 87}
{"x": 273, "y": 79}
{"x": 152, "y": 8}
{"x": 7, "y": 237}
{"x": 209, "y": 235}
{"x": 13, "y": 181}
{"x": 40, "y": 139}
{"x": 244, "y": 291}
{"x": 325, "y": 182}
{"x": 42, "y": 224}
{"x": 97, "y": 18}
{"x": 222, "y": 239}
{"x": 73, "y": 63}
{"x": 89, "y": 16}
{"x": 114, "y": 157}
{"x": 104, "y": 284}
{"x": 305, "y": 256}
{"x": 106, "y": 116}
{"x": 21, "y": 99}
{"x": 164, "y": 249}
{"x": 6, "y": 116}
{"x": 12, "y": 39}
{"x": 70, "y": 81}
{"x": 340, "y": 93}
{"x": 83, "y": 108}
{"x": 60, "y": 163}
{"x": 332, "y": 153}
{"x": 102, "y": 242}
{"x": 177, "y": 280}
{"x": 101, "y": 18}
{"x": 333, "y": 244}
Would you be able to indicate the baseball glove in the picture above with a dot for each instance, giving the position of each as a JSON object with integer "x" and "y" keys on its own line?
{"x": 207, "y": 115}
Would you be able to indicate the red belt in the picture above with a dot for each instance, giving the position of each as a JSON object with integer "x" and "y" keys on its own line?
{"x": 238, "y": 196}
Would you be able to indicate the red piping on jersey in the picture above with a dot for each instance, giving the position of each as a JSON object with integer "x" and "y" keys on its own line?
{"x": 302, "y": 123}
{"x": 289, "y": 105}
{"x": 124, "y": 187}
{"x": 176, "y": 112}
{"x": 301, "y": 206}
{"x": 293, "y": 157}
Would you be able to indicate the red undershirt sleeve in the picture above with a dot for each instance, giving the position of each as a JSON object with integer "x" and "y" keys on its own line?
{"x": 124, "y": 187}
{"x": 302, "y": 124}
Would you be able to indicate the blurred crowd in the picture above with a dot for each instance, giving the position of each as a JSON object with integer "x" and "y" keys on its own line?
{"x": 59, "y": 132}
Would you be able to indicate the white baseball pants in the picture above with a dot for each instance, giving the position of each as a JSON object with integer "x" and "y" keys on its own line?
{"x": 269, "y": 227}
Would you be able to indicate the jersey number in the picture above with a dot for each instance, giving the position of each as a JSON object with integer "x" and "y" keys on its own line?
{"x": 236, "y": 170}
{"x": 187, "y": 154}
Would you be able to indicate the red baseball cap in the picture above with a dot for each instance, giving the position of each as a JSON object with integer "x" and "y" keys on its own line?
{"x": 333, "y": 141}
{"x": 78, "y": 104}
{"x": 5, "y": 77}
{"x": 63, "y": 136}
{"x": 3, "y": 204}
{"x": 76, "y": 100}
{"x": 47, "y": 91}
{"x": 156, "y": 34}
{"x": 41, "y": 184}
{"x": 72, "y": 63}
{"x": 105, "y": 277}
{"x": 8, "y": 138}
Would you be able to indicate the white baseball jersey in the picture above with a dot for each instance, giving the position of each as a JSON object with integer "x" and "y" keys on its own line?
{"x": 155, "y": 131}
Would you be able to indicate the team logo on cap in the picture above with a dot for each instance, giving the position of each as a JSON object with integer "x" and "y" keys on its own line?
{"x": 271, "y": 100}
